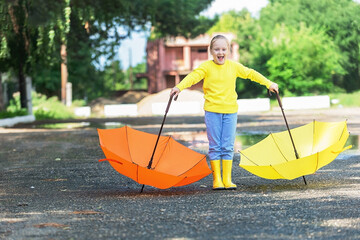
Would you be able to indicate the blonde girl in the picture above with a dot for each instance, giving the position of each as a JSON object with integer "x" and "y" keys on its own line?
{"x": 219, "y": 76}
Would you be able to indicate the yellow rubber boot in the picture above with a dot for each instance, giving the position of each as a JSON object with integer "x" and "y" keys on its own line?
{"x": 217, "y": 182}
{"x": 227, "y": 166}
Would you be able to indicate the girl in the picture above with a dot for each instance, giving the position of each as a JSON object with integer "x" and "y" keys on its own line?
{"x": 220, "y": 105}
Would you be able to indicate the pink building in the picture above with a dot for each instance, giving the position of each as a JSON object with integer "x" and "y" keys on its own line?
{"x": 170, "y": 60}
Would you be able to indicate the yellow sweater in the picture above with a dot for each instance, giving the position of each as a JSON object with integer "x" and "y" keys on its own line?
{"x": 219, "y": 84}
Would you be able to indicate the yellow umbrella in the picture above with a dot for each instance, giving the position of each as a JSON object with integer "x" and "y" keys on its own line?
{"x": 297, "y": 152}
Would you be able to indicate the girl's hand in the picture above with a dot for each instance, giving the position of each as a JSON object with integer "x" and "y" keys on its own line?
{"x": 176, "y": 92}
{"x": 274, "y": 88}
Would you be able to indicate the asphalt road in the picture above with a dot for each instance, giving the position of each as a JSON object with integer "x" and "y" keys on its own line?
{"x": 53, "y": 187}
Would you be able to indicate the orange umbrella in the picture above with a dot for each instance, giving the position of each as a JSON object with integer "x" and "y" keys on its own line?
{"x": 151, "y": 159}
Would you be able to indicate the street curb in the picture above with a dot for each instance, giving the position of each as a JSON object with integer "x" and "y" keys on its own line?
{"x": 9, "y": 122}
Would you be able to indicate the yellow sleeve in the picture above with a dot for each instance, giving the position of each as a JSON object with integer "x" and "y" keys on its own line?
{"x": 248, "y": 73}
{"x": 192, "y": 78}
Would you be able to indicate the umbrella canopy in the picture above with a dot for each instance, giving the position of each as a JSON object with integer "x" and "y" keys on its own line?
{"x": 317, "y": 144}
{"x": 129, "y": 152}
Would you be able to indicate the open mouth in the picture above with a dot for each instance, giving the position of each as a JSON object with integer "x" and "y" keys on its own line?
{"x": 220, "y": 58}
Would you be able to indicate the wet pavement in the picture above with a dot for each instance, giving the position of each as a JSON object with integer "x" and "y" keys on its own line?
{"x": 53, "y": 187}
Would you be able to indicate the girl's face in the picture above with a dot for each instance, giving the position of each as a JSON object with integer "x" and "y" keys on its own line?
{"x": 219, "y": 51}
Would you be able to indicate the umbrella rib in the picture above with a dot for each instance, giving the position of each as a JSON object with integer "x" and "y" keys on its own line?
{"x": 342, "y": 133}
{"x": 317, "y": 161}
{"x": 162, "y": 153}
{"x": 128, "y": 145}
{"x": 278, "y": 147}
{"x": 103, "y": 147}
{"x": 186, "y": 170}
{"x": 248, "y": 158}
{"x": 192, "y": 166}
{"x": 312, "y": 150}
{"x": 276, "y": 171}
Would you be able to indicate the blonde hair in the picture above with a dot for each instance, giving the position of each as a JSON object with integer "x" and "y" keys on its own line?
{"x": 217, "y": 37}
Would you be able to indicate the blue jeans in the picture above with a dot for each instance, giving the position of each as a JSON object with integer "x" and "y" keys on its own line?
{"x": 221, "y": 130}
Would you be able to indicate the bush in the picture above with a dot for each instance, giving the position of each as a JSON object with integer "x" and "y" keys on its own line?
{"x": 16, "y": 113}
{"x": 50, "y": 108}
{"x": 43, "y": 108}
{"x": 303, "y": 61}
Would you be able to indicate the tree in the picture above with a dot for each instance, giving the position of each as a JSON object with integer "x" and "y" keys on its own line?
{"x": 340, "y": 19}
{"x": 28, "y": 27}
{"x": 328, "y": 53}
{"x": 34, "y": 31}
{"x": 111, "y": 21}
{"x": 114, "y": 77}
{"x": 303, "y": 61}
{"x": 15, "y": 40}
{"x": 140, "y": 83}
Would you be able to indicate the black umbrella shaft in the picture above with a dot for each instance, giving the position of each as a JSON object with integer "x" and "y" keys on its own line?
{"x": 287, "y": 125}
{"x": 162, "y": 124}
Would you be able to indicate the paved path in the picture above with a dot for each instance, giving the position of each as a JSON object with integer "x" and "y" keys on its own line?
{"x": 52, "y": 187}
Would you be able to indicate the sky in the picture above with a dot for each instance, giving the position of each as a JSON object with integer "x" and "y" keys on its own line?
{"x": 136, "y": 44}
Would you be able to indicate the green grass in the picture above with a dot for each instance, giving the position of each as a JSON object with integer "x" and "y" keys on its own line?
{"x": 17, "y": 113}
{"x": 344, "y": 99}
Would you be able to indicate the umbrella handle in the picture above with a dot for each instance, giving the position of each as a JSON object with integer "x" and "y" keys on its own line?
{"x": 169, "y": 103}
{"x": 278, "y": 99}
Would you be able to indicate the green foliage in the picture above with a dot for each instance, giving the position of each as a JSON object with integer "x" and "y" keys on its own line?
{"x": 50, "y": 108}
{"x": 78, "y": 103}
{"x": 303, "y": 61}
{"x": 32, "y": 32}
{"x": 138, "y": 83}
{"x": 307, "y": 47}
{"x": 114, "y": 77}
{"x": 46, "y": 80}
{"x": 178, "y": 17}
{"x": 14, "y": 107}
{"x": 16, "y": 113}
{"x": 339, "y": 19}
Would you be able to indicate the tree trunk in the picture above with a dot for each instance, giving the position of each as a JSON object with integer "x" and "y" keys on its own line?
{"x": 130, "y": 70}
{"x": 2, "y": 107}
{"x": 22, "y": 45}
{"x": 22, "y": 86}
{"x": 352, "y": 78}
{"x": 64, "y": 72}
